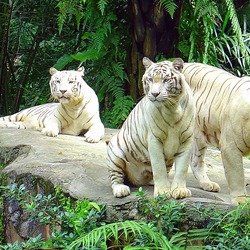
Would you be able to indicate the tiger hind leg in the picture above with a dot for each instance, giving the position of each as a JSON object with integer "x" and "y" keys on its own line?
{"x": 198, "y": 166}
{"x": 116, "y": 174}
{"x": 234, "y": 171}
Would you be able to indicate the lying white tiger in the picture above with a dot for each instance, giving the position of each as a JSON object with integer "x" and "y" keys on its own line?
{"x": 76, "y": 113}
{"x": 157, "y": 133}
{"x": 223, "y": 120}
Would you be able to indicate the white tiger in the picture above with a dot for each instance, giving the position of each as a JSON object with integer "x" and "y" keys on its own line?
{"x": 223, "y": 119}
{"x": 157, "y": 133}
{"x": 76, "y": 113}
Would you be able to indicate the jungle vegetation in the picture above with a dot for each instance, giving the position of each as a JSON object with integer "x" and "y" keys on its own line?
{"x": 110, "y": 38}
{"x": 161, "y": 224}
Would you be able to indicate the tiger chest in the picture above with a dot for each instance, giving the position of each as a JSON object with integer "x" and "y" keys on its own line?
{"x": 171, "y": 145}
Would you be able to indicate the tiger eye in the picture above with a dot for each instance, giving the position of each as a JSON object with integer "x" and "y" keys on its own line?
{"x": 173, "y": 90}
{"x": 74, "y": 89}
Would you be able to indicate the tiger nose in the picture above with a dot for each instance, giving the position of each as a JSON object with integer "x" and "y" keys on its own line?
{"x": 155, "y": 94}
{"x": 63, "y": 91}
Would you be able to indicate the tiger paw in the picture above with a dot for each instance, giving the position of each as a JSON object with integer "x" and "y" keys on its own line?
{"x": 239, "y": 200}
{"x": 92, "y": 137}
{"x": 180, "y": 193}
{"x": 162, "y": 190}
{"x": 210, "y": 186}
{"x": 121, "y": 190}
{"x": 50, "y": 131}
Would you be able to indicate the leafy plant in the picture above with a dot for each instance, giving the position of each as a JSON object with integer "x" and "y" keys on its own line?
{"x": 2, "y": 182}
{"x": 163, "y": 224}
{"x": 67, "y": 219}
{"x": 212, "y": 228}
{"x": 123, "y": 234}
{"x": 237, "y": 29}
{"x": 118, "y": 114}
{"x": 201, "y": 16}
{"x": 103, "y": 52}
{"x": 172, "y": 219}
{"x": 215, "y": 37}
{"x": 232, "y": 230}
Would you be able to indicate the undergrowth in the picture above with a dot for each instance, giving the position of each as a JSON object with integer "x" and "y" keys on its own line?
{"x": 161, "y": 224}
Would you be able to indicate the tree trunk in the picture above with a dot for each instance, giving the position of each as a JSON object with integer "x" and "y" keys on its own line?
{"x": 153, "y": 33}
{"x": 25, "y": 75}
{"x": 4, "y": 34}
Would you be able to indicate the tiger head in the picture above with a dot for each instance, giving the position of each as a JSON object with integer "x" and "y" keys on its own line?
{"x": 163, "y": 81}
{"x": 67, "y": 86}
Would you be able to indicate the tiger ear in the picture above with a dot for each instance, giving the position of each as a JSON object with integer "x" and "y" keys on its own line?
{"x": 146, "y": 62}
{"x": 178, "y": 64}
{"x": 52, "y": 71}
{"x": 81, "y": 70}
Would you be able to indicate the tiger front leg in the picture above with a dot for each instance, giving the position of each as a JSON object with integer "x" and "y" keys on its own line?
{"x": 52, "y": 128}
{"x": 160, "y": 175}
{"x": 178, "y": 188}
{"x": 95, "y": 133}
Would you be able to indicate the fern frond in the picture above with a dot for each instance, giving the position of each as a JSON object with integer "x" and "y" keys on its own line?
{"x": 207, "y": 9}
{"x": 128, "y": 230}
{"x": 170, "y": 6}
{"x": 101, "y": 5}
{"x": 119, "y": 69}
{"x": 237, "y": 29}
{"x": 63, "y": 13}
{"x": 67, "y": 9}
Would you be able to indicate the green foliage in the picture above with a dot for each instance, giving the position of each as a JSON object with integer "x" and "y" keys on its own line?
{"x": 170, "y": 6}
{"x": 118, "y": 114}
{"x": 68, "y": 219}
{"x": 215, "y": 229}
{"x": 163, "y": 224}
{"x": 228, "y": 54}
{"x": 232, "y": 230}
{"x": 103, "y": 52}
{"x": 123, "y": 232}
{"x": 97, "y": 34}
{"x": 160, "y": 228}
{"x": 215, "y": 37}
{"x": 172, "y": 219}
{"x": 33, "y": 45}
{"x": 102, "y": 5}
{"x": 32, "y": 243}
{"x": 202, "y": 15}
{"x": 2, "y": 182}
{"x": 237, "y": 29}
{"x": 67, "y": 13}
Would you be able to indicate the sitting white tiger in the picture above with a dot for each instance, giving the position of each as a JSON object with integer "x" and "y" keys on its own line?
{"x": 76, "y": 113}
{"x": 223, "y": 120}
{"x": 157, "y": 133}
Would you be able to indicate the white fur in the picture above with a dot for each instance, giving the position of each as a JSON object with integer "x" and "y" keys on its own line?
{"x": 157, "y": 133}
{"x": 223, "y": 120}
